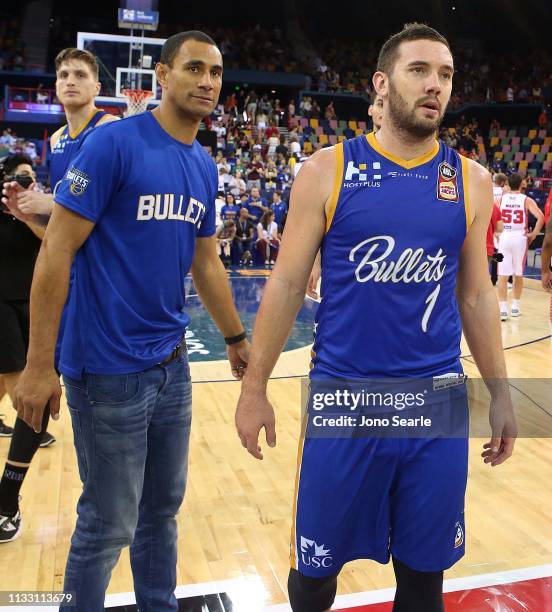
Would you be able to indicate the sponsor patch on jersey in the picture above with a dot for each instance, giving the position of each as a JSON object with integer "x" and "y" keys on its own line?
{"x": 79, "y": 180}
{"x": 447, "y": 183}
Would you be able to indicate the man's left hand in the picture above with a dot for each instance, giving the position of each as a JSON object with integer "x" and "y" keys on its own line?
{"x": 238, "y": 356}
{"x": 504, "y": 432}
{"x": 32, "y": 202}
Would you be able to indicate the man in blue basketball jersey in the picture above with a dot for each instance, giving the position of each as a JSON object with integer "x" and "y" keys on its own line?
{"x": 134, "y": 212}
{"x": 76, "y": 88}
{"x": 401, "y": 221}
{"x": 375, "y": 112}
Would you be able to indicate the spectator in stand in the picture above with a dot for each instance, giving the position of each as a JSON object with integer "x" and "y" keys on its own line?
{"x": 262, "y": 120}
{"x": 245, "y": 232}
{"x": 8, "y": 138}
{"x": 224, "y": 235}
{"x": 257, "y": 147}
{"x": 510, "y": 94}
{"x": 273, "y": 142}
{"x": 291, "y": 109}
{"x": 256, "y": 205}
{"x": 294, "y": 146}
{"x": 495, "y": 125}
{"x": 315, "y": 111}
{"x": 219, "y": 127}
{"x": 231, "y": 209}
{"x": 29, "y": 150}
{"x": 282, "y": 149}
{"x": 543, "y": 119}
{"x": 237, "y": 185}
{"x": 255, "y": 172}
{"x": 251, "y": 104}
{"x": 278, "y": 112}
{"x": 268, "y": 241}
{"x": 329, "y": 113}
{"x": 41, "y": 95}
{"x": 271, "y": 172}
{"x": 306, "y": 106}
{"x": 280, "y": 209}
{"x": 221, "y": 182}
{"x": 284, "y": 177}
{"x": 231, "y": 105}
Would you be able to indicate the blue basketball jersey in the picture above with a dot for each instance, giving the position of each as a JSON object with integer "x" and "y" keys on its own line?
{"x": 390, "y": 257}
{"x": 68, "y": 145}
{"x": 149, "y": 196}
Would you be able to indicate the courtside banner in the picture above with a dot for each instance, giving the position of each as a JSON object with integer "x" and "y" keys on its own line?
{"x": 445, "y": 406}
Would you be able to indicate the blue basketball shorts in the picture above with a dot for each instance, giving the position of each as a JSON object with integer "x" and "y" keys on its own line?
{"x": 369, "y": 498}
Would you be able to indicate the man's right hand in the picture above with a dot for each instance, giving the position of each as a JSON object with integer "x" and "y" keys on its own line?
{"x": 36, "y": 389}
{"x": 254, "y": 412}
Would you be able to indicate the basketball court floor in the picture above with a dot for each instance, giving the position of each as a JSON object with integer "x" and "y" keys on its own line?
{"x": 235, "y": 523}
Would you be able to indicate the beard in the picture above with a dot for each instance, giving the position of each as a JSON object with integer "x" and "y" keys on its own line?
{"x": 406, "y": 120}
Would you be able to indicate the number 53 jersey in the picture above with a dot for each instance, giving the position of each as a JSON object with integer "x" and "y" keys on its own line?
{"x": 394, "y": 232}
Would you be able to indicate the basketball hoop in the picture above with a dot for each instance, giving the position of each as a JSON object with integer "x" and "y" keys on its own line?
{"x": 137, "y": 100}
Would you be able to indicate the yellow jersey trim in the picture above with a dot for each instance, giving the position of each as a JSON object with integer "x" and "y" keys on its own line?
{"x": 408, "y": 164}
{"x": 466, "y": 189}
{"x": 332, "y": 204}
{"x": 81, "y": 127}
{"x": 294, "y": 553}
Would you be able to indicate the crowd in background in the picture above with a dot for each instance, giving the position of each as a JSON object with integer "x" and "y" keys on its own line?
{"x": 12, "y": 47}
{"x": 11, "y": 144}
{"x": 336, "y": 66}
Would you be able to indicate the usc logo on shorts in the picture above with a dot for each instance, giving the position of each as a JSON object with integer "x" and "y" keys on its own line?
{"x": 459, "y": 537}
{"x": 314, "y": 554}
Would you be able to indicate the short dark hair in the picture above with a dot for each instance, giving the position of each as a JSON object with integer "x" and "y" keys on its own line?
{"x": 9, "y": 165}
{"x": 411, "y": 31}
{"x": 500, "y": 179}
{"x": 515, "y": 180}
{"x": 172, "y": 45}
{"x": 71, "y": 53}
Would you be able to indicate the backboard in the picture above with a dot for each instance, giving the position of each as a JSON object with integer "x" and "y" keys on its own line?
{"x": 125, "y": 62}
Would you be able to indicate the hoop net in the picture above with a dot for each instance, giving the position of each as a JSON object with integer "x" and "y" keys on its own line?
{"x": 136, "y": 100}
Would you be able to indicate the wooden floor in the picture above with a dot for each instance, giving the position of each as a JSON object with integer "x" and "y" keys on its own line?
{"x": 235, "y": 522}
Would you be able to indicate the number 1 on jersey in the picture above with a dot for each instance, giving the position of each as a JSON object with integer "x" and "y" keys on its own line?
{"x": 430, "y": 301}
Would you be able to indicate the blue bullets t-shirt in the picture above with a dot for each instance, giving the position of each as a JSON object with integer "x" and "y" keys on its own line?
{"x": 149, "y": 196}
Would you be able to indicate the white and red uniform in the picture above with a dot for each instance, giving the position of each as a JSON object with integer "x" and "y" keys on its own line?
{"x": 497, "y": 192}
{"x": 512, "y": 242}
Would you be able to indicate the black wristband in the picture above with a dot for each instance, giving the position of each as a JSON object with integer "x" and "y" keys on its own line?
{"x": 235, "y": 339}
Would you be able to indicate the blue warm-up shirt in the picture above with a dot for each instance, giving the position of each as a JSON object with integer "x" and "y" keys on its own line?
{"x": 149, "y": 196}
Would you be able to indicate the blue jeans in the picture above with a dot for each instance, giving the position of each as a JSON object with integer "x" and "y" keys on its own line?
{"x": 131, "y": 436}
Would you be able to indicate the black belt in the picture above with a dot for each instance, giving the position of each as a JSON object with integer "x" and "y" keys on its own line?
{"x": 181, "y": 348}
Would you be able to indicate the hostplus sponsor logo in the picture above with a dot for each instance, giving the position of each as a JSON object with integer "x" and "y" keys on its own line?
{"x": 358, "y": 177}
{"x": 315, "y": 555}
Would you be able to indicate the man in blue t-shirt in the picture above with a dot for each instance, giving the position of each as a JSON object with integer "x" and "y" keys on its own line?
{"x": 279, "y": 207}
{"x": 256, "y": 205}
{"x": 135, "y": 212}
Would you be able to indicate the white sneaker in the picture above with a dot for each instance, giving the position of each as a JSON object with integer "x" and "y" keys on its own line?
{"x": 10, "y": 527}
{"x": 271, "y": 262}
{"x": 515, "y": 312}
{"x": 503, "y": 315}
